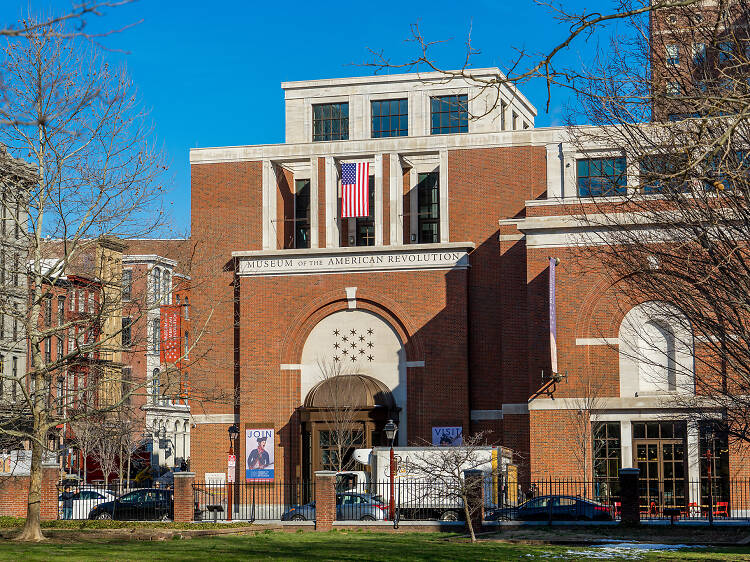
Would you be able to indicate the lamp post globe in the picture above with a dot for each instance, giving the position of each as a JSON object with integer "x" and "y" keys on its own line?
{"x": 390, "y": 430}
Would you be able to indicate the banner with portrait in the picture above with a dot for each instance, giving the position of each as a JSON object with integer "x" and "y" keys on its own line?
{"x": 259, "y": 460}
{"x": 447, "y": 436}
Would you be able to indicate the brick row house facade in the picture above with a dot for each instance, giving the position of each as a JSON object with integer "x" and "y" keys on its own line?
{"x": 137, "y": 307}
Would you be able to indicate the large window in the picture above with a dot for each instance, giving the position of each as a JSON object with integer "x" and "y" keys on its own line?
{"x": 127, "y": 284}
{"x": 155, "y": 390}
{"x": 450, "y": 114}
{"x": 673, "y": 55}
{"x": 598, "y": 177}
{"x": 156, "y": 285}
{"x": 428, "y": 212}
{"x": 60, "y": 310}
{"x": 166, "y": 292}
{"x": 390, "y": 118}
{"x": 127, "y": 338}
{"x": 331, "y": 121}
{"x": 155, "y": 335}
{"x": 714, "y": 459}
{"x": 302, "y": 214}
{"x": 607, "y": 458}
{"x": 365, "y": 226}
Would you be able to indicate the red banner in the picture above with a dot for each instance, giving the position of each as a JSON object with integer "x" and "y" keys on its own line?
{"x": 170, "y": 333}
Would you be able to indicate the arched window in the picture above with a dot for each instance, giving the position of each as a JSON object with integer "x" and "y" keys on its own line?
{"x": 166, "y": 287}
{"x": 155, "y": 386}
{"x": 656, "y": 351}
{"x": 157, "y": 284}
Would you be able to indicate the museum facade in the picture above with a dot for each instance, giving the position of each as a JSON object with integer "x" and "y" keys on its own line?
{"x": 435, "y": 306}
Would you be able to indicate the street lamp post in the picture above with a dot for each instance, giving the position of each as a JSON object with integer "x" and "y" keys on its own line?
{"x": 234, "y": 432}
{"x": 390, "y": 432}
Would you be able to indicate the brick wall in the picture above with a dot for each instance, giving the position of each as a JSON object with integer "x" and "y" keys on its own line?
{"x": 14, "y": 494}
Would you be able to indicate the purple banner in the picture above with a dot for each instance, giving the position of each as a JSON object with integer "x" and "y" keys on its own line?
{"x": 552, "y": 316}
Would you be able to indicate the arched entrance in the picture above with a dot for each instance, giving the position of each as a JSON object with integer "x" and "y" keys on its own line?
{"x": 341, "y": 413}
{"x": 357, "y": 341}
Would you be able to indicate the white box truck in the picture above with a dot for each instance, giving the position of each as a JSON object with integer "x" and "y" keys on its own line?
{"x": 418, "y": 492}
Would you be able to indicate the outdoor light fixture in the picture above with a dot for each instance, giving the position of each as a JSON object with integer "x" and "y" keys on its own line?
{"x": 390, "y": 431}
{"x": 234, "y": 432}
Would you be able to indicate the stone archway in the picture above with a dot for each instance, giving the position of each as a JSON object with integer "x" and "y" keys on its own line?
{"x": 357, "y": 342}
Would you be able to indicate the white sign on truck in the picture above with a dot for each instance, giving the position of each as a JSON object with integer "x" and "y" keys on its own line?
{"x": 418, "y": 491}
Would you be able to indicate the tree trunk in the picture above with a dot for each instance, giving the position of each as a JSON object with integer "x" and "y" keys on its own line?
{"x": 119, "y": 485}
{"x": 85, "y": 468}
{"x": 128, "y": 474}
{"x": 467, "y": 515}
{"x": 32, "y": 529}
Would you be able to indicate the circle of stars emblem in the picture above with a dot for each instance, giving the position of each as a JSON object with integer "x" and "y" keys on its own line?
{"x": 353, "y": 345}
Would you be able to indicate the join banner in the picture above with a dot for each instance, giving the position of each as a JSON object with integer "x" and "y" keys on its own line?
{"x": 259, "y": 446}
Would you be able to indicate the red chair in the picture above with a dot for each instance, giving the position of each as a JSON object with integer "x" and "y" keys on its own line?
{"x": 693, "y": 510}
{"x": 722, "y": 509}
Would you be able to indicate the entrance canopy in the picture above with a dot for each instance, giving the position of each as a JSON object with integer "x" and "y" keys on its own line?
{"x": 357, "y": 392}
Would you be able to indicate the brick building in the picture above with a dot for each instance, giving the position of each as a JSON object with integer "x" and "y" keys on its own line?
{"x": 439, "y": 300}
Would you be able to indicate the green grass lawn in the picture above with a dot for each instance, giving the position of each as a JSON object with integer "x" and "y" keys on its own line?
{"x": 336, "y": 545}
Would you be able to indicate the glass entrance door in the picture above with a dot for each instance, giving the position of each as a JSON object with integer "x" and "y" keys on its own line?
{"x": 659, "y": 453}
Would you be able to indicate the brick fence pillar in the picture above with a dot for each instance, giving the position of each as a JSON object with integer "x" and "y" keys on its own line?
{"x": 184, "y": 502}
{"x": 475, "y": 492}
{"x": 630, "y": 501}
{"x": 49, "y": 508}
{"x": 325, "y": 499}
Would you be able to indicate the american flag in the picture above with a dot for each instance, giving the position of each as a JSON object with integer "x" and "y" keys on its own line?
{"x": 355, "y": 184}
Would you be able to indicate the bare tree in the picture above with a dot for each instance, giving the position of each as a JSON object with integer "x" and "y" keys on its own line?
{"x": 107, "y": 448}
{"x": 85, "y": 436}
{"x": 674, "y": 102}
{"x": 131, "y": 438}
{"x": 445, "y": 467}
{"x": 92, "y": 178}
{"x": 579, "y": 27}
{"x": 589, "y": 393}
{"x": 345, "y": 432}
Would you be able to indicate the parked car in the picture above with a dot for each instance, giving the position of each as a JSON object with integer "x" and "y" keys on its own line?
{"x": 85, "y": 500}
{"x": 560, "y": 508}
{"x": 349, "y": 507}
{"x": 139, "y": 505}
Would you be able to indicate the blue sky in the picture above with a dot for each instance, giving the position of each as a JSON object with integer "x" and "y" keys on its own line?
{"x": 210, "y": 71}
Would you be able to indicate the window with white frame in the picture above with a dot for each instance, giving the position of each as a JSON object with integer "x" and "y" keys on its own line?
{"x": 156, "y": 285}
{"x": 127, "y": 284}
{"x": 673, "y": 55}
{"x": 699, "y": 53}
{"x": 155, "y": 335}
{"x": 166, "y": 287}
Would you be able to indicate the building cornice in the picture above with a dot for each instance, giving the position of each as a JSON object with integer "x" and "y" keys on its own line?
{"x": 132, "y": 259}
{"x": 367, "y": 147}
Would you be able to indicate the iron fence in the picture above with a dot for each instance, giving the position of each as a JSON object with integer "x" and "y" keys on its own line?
{"x": 724, "y": 500}
{"x": 251, "y": 501}
{"x": 113, "y": 501}
{"x": 670, "y": 500}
